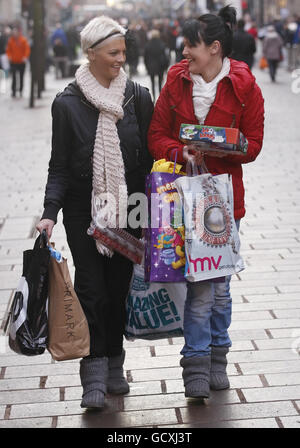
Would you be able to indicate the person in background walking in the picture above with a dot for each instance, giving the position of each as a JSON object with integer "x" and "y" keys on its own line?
{"x": 60, "y": 58}
{"x": 4, "y": 62}
{"x": 59, "y": 33}
{"x": 156, "y": 60}
{"x": 18, "y": 51}
{"x": 208, "y": 88}
{"x": 243, "y": 45}
{"x": 99, "y": 157}
{"x": 272, "y": 50}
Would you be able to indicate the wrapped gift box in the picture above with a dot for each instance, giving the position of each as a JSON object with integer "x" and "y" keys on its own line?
{"x": 212, "y": 138}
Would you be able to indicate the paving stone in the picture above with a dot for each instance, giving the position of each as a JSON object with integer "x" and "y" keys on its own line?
{"x": 249, "y": 334}
{"x": 284, "y": 332}
{"x": 274, "y": 343}
{"x": 251, "y": 423}
{"x": 250, "y": 315}
{"x": 27, "y": 423}
{"x": 19, "y": 384}
{"x": 290, "y": 422}
{"x": 275, "y": 323}
{"x": 261, "y": 355}
{"x": 266, "y": 306}
{"x": 29, "y": 396}
{"x": 286, "y": 314}
{"x": 45, "y": 409}
{"x": 9, "y": 280}
{"x": 41, "y": 370}
{"x": 272, "y": 393}
{"x": 269, "y": 367}
{"x": 207, "y": 413}
{"x": 120, "y": 419}
{"x": 281, "y": 297}
{"x": 2, "y": 411}
{"x": 20, "y": 360}
{"x": 62, "y": 381}
{"x": 282, "y": 379}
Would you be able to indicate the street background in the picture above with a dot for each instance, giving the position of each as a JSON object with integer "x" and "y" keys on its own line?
{"x": 263, "y": 363}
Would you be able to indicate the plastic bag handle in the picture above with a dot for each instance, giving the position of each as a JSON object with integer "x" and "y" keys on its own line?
{"x": 175, "y": 163}
{"x": 193, "y": 170}
{"x": 42, "y": 240}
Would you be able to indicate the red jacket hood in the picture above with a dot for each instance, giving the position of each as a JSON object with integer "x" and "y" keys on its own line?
{"x": 240, "y": 75}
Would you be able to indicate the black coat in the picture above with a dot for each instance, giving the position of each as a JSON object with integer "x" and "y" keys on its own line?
{"x": 243, "y": 47}
{"x": 155, "y": 57}
{"x": 74, "y": 126}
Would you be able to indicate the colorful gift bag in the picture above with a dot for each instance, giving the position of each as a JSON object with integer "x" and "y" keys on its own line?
{"x": 212, "y": 241}
{"x": 164, "y": 236}
{"x": 154, "y": 310}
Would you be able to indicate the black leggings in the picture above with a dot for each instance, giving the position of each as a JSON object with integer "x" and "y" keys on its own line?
{"x": 101, "y": 284}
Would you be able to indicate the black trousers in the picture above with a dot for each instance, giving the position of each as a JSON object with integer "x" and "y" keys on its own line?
{"x": 160, "y": 78}
{"x": 273, "y": 65}
{"x": 17, "y": 71}
{"x": 101, "y": 284}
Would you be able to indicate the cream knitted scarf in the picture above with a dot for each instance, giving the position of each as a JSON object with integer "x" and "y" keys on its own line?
{"x": 109, "y": 195}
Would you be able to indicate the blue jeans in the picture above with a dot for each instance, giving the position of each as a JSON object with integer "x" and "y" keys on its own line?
{"x": 207, "y": 316}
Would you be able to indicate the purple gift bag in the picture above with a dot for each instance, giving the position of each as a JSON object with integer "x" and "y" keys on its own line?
{"x": 164, "y": 236}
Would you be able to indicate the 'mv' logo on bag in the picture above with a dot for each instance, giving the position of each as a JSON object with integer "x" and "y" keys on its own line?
{"x": 208, "y": 262}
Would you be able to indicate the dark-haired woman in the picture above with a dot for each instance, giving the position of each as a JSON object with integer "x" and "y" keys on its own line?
{"x": 208, "y": 88}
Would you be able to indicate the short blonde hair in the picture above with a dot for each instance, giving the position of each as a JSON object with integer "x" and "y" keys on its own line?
{"x": 99, "y": 28}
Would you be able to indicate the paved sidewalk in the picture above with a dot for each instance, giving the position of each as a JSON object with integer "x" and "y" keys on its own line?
{"x": 264, "y": 363}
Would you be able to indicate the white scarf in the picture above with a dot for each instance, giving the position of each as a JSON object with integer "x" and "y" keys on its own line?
{"x": 109, "y": 195}
{"x": 204, "y": 93}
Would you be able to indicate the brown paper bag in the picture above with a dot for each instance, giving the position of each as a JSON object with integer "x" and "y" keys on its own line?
{"x": 69, "y": 336}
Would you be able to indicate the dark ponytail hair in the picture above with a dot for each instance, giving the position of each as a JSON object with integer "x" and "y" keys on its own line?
{"x": 211, "y": 27}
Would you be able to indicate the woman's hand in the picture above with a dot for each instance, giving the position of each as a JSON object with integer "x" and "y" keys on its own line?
{"x": 191, "y": 153}
{"x": 46, "y": 224}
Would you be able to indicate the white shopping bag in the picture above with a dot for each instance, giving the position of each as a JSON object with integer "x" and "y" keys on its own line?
{"x": 154, "y": 310}
{"x": 212, "y": 241}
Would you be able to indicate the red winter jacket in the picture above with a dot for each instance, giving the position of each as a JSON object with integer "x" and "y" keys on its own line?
{"x": 238, "y": 103}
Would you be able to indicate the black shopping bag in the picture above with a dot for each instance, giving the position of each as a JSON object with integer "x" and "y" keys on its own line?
{"x": 28, "y": 322}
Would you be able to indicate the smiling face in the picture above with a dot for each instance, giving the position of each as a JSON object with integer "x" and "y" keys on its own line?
{"x": 198, "y": 56}
{"x": 107, "y": 59}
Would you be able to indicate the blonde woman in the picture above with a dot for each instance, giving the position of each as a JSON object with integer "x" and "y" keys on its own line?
{"x": 99, "y": 146}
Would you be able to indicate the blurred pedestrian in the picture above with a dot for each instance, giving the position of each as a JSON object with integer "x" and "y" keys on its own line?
{"x": 60, "y": 58}
{"x": 290, "y": 31}
{"x": 156, "y": 59}
{"x": 272, "y": 50}
{"x": 179, "y": 48}
{"x": 99, "y": 157}
{"x": 4, "y": 62}
{"x": 132, "y": 51}
{"x": 243, "y": 45}
{"x": 252, "y": 29}
{"x": 59, "y": 33}
{"x": 18, "y": 52}
{"x": 208, "y": 88}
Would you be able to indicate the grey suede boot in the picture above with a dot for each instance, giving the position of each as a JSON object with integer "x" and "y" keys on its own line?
{"x": 117, "y": 383}
{"x": 218, "y": 376}
{"x": 196, "y": 376}
{"x": 93, "y": 375}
